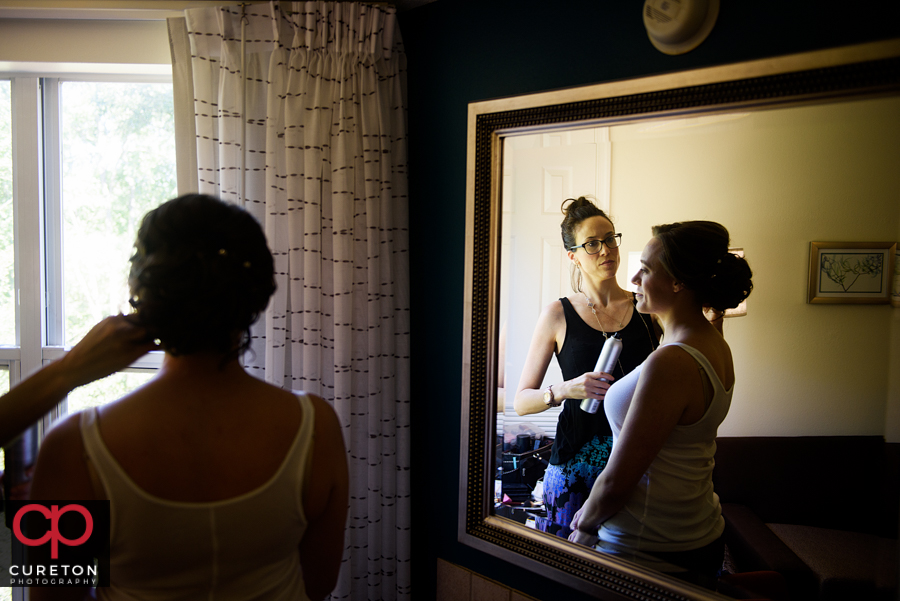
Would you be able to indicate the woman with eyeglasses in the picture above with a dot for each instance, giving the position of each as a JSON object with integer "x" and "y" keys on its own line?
{"x": 574, "y": 328}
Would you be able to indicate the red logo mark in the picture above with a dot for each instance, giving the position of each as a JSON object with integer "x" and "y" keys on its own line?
{"x": 53, "y": 534}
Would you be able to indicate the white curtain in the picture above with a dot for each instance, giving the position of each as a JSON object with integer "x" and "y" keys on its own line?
{"x": 300, "y": 116}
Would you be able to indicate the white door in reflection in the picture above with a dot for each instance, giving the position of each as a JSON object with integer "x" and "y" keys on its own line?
{"x": 540, "y": 171}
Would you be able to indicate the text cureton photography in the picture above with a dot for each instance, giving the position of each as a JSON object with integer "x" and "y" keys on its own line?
{"x": 62, "y": 575}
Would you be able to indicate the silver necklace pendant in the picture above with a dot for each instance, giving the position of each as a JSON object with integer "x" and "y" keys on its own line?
{"x": 591, "y": 305}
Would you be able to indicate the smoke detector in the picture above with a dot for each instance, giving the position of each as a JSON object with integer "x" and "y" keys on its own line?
{"x": 679, "y": 26}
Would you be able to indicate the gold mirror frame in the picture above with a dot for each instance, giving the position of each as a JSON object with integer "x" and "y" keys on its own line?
{"x": 821, "y": 76}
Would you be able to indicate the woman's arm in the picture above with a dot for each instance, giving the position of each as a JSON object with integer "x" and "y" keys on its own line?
{"x": 668, "y": 384}
{"x": 326, "y": 505}
{"x": 62, "y": 474}
{"x": 111, "y": 345}
{"x": 529, "y": 397}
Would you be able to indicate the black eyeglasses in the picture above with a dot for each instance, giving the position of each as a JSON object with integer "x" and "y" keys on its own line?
{"x": 592, "y": 247}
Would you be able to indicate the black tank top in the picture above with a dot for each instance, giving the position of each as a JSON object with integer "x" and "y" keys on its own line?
{"x": 580, "y": 351}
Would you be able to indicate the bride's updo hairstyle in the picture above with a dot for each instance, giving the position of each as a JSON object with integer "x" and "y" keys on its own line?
{"x": 696, "y": 254}
{"x": 200, "y": 276}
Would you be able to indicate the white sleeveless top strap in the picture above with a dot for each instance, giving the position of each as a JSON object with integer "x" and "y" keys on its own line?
{"x": 674, "y": 507}
{"x": 245, "y": 547}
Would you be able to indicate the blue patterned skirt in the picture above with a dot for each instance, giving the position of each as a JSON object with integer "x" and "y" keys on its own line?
{"x": 567, "y": 485}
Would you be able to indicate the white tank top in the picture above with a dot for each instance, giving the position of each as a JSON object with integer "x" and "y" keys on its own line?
{"x": 241, "y": 548}
{"x": 673, "y": 507}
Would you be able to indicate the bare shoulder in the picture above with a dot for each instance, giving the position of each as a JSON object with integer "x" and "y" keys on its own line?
{"x": 60, "y": 471}
{"x": 65, "y": 435}
{"x": 323, "y": 408}
{"x": 285, "y": 400}
{"x": 550, "y": 329}
{"x": 552, "y": 319}
{"x": 714, "y": 347}
{"x": 667, "y": 364}
{"x": 327, "y": 421}
{"x": 674, "y": 367}
{"x": 553, "y": 312}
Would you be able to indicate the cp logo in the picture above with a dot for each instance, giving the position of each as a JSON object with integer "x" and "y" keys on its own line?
{"x": 53, "y": 534}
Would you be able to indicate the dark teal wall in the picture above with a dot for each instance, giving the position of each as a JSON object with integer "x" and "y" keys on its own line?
{"x": 461, "y": 51}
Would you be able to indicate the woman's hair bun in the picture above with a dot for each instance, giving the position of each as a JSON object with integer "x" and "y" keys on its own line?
{"x": 696, "y": 253}
{"x": 577, "y": 210}
{"x": 201, "y": 274}
{"x": 729, "y": 284}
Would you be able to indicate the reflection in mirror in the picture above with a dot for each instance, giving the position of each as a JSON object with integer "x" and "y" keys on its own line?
{"x": 776, "y": 177}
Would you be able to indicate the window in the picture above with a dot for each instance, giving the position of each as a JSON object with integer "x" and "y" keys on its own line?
{"x": 4, "y": 388}
{"x": 104, "y": 156}
{"x": 5, "y": 534}
{"x": 7, "y": 256}
{"x": 118, "y": 162}
{"x": 85, "y": 153}
{"x": 7, "y": 282}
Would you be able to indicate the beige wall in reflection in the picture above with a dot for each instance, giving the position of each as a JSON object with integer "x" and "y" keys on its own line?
{"x": 778, "y": 180}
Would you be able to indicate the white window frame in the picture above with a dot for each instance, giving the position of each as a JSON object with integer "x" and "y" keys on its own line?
{"x": 37, "y": 207}
{"x": 37, "y": 223}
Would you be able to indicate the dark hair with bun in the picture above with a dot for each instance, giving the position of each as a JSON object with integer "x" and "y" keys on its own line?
{"x": 581, "y": 208}
{"x": 696, "y": 253}
{"x": 200, "y": 276}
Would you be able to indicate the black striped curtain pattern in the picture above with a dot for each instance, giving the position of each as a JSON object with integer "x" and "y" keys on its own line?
{"x": 300, "y": 116}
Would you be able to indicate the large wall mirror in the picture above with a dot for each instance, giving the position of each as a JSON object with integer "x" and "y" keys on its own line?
{"x": 782, "y": 151}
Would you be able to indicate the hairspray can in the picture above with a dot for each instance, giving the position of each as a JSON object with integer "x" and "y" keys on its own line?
{"x": 606, "y": 363}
